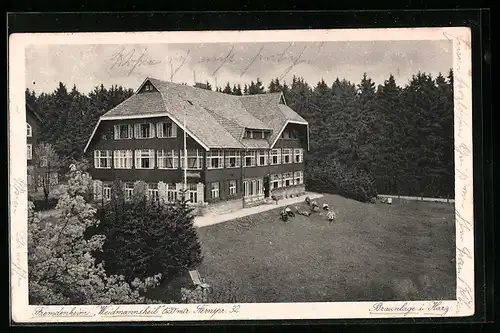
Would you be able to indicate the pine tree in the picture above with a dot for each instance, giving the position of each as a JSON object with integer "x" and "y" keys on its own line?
{"x": 237, "y": 90}
{"x": 227, "y": 89}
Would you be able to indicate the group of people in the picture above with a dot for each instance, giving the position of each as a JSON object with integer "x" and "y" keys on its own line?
{"x": 314, "y": 208}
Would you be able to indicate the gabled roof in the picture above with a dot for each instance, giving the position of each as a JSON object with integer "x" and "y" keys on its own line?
{"x": 35, "y": 114}
{"x": 215, "y": 120}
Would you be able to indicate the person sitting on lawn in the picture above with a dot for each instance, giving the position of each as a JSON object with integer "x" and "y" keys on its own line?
{"x": 325, "y": 206}
{"x": 315, "y": 209}
{"x": 284, "y": 215}
{"x": 289, "y": 212}
{"x": 331, "y": 215}
{"x": 308, "y": 201}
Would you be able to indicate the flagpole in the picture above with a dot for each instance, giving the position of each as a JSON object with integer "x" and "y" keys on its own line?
{"x": 185, "y": 152}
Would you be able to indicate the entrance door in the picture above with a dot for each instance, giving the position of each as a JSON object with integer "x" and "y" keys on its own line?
{"x": 266, "y": 187}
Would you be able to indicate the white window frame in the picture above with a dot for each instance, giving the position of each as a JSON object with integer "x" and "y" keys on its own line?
{"x": 229, "y": 154}
{"x": 262, "y": 153}
{"x": 160, "y": 133}
{"x": 163, "y": 156}
{"x": 275, "y": 153}
{"x": 298, "y": 152}
{"x": 171, "y": 193}
{"x": 246, "y": 188}
{"x": 298, "y": 177}
{"x": 275, "y": 178}
{"x": 128, "y": 190}
{"x": 29, "y": 151}
{"x": 153, "y": 192}
{"x": 149, "y": 154}
{"x": 193, "y": 154}
{"x": 232, "y": 187}
{"x": 106, "y": 192}
{"x": 262, "y": 135}
{"x": 287, "y": 176}
{"x": 287, "y": 152}
{"x": 249, "y": 154}
{"x": 215, "y": 155}
{"x": 138, "y": 130}
{"x": 99, "y": 155}
{"x": 117, "y": 132}
{"x": 260, "y": 186}
{"x": 29, "y": 130}
{"x": 214, "y": 190}
{"x": 123, "y": 159}
{"x": 192, "y": 192}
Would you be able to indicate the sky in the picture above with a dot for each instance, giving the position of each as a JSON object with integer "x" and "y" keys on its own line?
{"x": 87, "y": 66}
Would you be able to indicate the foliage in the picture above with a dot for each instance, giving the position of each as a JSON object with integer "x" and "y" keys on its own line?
{"x": 226, "y": 294}
{"x": 147, "y": 237}
{"x": 400, "y": 136}
{"x": 46, "y": 163}
{"x": 62, "y": 269}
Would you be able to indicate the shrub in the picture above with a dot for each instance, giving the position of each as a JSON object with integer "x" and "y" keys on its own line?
{"x": 61, "y": 267}
{"x": 39, "y": 204}
{"x": 149, "y": 237}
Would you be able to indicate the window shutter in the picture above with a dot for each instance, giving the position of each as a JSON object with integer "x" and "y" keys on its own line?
{"x": 137, "y": 130}
{"x": 130, "y": 132}
{"x": 152, "y": 158}
{"x": 117, "y": 132}
{"x": 137, "y": 159}
{"x": 159, "y": 130}
{"x": 174, "y": 130}
{"x": 151, "y": 130}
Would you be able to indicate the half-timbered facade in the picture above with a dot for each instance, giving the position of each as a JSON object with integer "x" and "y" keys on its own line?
{"x": 240, "y": 149}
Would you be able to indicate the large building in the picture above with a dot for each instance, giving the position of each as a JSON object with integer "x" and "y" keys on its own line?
{"x": 240, "y": 149}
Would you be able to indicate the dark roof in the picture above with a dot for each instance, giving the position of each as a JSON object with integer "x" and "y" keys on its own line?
{"x": 36, "y": 114}
{"x": 216, "y": 119}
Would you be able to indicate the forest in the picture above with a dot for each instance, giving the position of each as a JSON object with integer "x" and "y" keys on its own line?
{"x": 397, "y": 138}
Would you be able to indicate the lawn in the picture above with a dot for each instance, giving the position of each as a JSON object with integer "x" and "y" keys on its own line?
{"x": 403, "y": 251}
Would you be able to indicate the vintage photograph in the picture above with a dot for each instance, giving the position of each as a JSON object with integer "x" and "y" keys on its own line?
{"x": 237, "y": 172}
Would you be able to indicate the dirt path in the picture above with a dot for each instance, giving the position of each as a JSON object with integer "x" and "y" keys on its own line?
{"x": 202, "y": 221}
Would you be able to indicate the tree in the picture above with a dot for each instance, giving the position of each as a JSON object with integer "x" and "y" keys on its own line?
{"x": 147, "y": 237}
{"x": 256, "y": 87}
{"x": 237, "y": 90}
{"x": 62, "y": 269}
{"x": 46, "y": 164}
{"x": 227, "y": 89}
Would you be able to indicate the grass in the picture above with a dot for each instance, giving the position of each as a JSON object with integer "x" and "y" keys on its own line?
{"x": 403, "y": 251}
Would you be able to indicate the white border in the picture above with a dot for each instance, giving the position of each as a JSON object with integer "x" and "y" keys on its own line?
{"x": 462, "y": 306}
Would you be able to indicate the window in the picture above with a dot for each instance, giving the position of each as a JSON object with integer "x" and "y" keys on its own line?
{"x": 275, "y": 181}
{"x": 299, "y": 155}
{"x": 123, "y": 132}
{"x": 148, "y": 87}
{"x": 248, "y": 134}
{"x": 252, "y": 187}
{"x": 287, "y": 156}
{"x": 29, "y": 132}
{"x": 123, "y": 159}
{"x": 232, "y": 187}
{"x": 262, "y": 135}
{"x": 246, "y": 188}
{"x": 102, "y": 159}
{"x": 166, "y": 130}
{"x": 299, "y": 177}
{"x": 106, "y": 192}
{"x": 144, "y": 131}
{"x": 232, "y": 159}
{"x": 171, "y": 193}
{"x": 215, "y": 190}
{"x": 192, "y": 193}
{"x": 249, "y": 159}
{"x": 215, "y": 159}
{"x": 275, "y": 156}
{"x": 168, "y": 159}
{"x": 29, "y": 152}
{"x": 285, "y": 135}
{"x": 145, "y": 159}
{"x": 129, "y": 191}
{"x": 287, "y": 179}
{"x": 194, "y": 159}
{"x": 262, "y": 157}
{"x": 153, "y": 193}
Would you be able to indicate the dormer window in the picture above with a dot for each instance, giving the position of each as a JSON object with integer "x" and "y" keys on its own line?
{"x": 29, "y": 132}
{"x": 122, "y": 132}
{"x": 144, "y": 131}
{"x": 148, "y": 87}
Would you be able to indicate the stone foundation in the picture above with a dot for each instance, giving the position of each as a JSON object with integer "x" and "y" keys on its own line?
{"x": 223, "y": 207}
{"x": 289, "y": 192}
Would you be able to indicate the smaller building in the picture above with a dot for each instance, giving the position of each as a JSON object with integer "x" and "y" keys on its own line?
{"x": 33, "y": 121}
